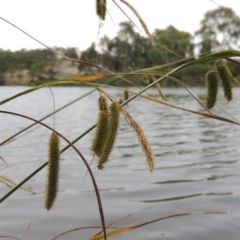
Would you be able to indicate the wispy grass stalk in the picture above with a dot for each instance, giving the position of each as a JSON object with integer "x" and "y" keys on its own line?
{"x": 142, "y": 139}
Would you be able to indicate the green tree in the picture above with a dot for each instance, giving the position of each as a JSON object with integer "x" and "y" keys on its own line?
{"x": 178, "y": 42}
{"x": 106, "y": 58}
{"x": 126, "y": 52}
{"x": 126, "y": 32}
{"x": 220, "y": 29}
{"x": 35, "y": 70}
{"x": 3, "y": 64}
{"x": 89, "y": 55}
{"x": 71, "y": 52}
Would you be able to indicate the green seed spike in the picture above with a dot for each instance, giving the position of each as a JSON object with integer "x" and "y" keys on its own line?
{"x": 111, "y": 135}
{"x": 101, "y": 8}
{"x": 102, "y": 127}
{"x": 225, "y": 76}
{"x": 211, "y": 81}
{"x": 101, "y": 132}
{"x": 53, "y": 171}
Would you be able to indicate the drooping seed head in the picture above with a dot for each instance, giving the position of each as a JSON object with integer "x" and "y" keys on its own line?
{"x": 142, "y": 139}
{"x": 225, "y": 76}
{"x": 101, "y": 128}
{"x": 211, "y": 81}
{"x": 53, "y": 171}
{"x": 111, "y": 135}
{"x": 144, "y": 25}
{"x": 101, "y": 9}
{"x": 101, "y": 133}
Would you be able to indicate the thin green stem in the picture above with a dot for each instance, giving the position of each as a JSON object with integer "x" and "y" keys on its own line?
{"x": 31, "y": 90}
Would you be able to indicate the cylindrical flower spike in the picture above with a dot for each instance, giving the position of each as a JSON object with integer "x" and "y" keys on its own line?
{"x": 53, "y": 171}
{"x": 111, "y": 135}
{"x": 102, "y": 103}
{"x": 211, "y": 81}
{"x": 102, "y": 127}
{"x": 101, "y": 8}
{"x": 225, "y": 76}
{"x": 142, "y": 139}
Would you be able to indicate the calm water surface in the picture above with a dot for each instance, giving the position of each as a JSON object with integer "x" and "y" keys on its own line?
{"x": 197, "y": 169}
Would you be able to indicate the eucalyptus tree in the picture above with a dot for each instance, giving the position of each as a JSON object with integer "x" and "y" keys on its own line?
{"x": 171, "y": 44}
{"x": 219, "y": 30}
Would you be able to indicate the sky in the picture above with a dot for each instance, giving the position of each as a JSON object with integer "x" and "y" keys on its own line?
{"x": 73, "y": 23}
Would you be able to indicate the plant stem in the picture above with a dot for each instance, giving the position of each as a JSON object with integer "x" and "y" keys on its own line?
{"x": 78, "y": 152}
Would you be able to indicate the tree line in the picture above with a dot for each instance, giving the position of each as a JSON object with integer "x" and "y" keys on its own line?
{"x": 129, "y": 51}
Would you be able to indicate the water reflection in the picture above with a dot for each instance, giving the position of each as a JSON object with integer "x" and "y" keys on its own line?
{"x": 187, "y": 196}
{"x": 171, "y": 199}
{"x": 177, "y": 181}
{"x": 216, "y": 177}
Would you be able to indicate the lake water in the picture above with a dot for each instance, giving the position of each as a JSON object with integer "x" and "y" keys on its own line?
{"x": 196, "y": 158}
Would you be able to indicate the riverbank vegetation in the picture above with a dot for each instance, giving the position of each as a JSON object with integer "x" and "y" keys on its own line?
{"x": 129, "y": 51}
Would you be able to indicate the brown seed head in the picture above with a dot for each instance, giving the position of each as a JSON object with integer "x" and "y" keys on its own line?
{"x": 101, "y": 9}
{"x": 142, "y": 139}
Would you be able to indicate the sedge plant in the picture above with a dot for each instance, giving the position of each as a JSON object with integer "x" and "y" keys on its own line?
{"x": 110, "y": 110}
